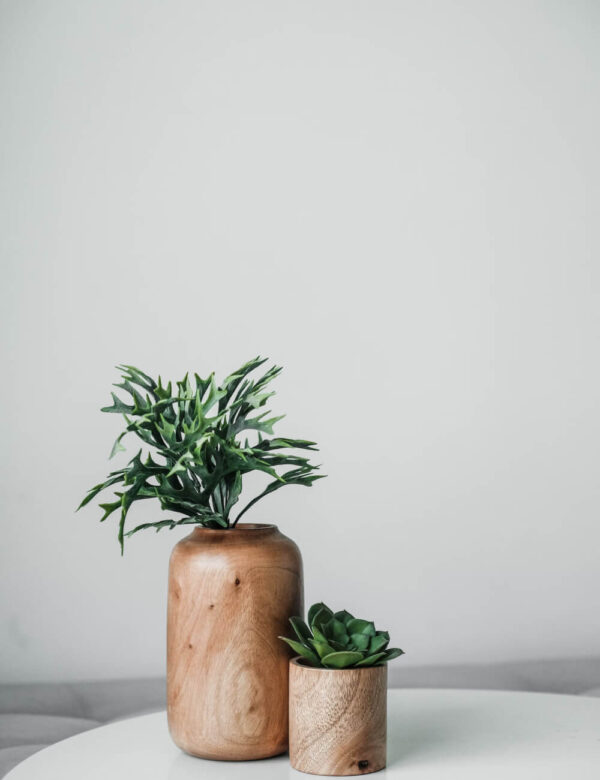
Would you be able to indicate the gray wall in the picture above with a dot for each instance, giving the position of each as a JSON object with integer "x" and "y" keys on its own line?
{"x": 396, "y": 200}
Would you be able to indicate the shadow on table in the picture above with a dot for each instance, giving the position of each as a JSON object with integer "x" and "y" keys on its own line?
{"x": 425, "y": 736}
{"x": 186, "y": 767}
{"x": 432, "y": 734}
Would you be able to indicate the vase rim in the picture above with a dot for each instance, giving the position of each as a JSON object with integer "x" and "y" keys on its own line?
{"x": 248, "y": 527}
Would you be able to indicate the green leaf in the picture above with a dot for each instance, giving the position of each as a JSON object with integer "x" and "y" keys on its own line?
{"x": 341, "y": 660}
{"x": 255, "y": 424}
{"x": 214, "y": 395}
{"x": 138, "y": 377}
{"x": 282, "y": 443}
{"x": 233, "y": 381}
{"x": 279, "y": 483}
{"x": 256, "y": 400}
{"x": 118, "y": 406}
{"x": 218, "y": 520}
{"x": 305, "y": 652}
{"x": 379, "y": 642}
{"x": 194, "y": 464}
{"x": 162, "y": 392}
{"x": 233, "y": 492}
{"x": 322, "y": 617}
{"x": 267, "y": 377}
{"x": 314, "y": 611}
{"x": 336, "y": 629}
{"x": 320, "y": 643}
{"x": 93, "y": 492}
{"x": 180, "y": 466}
{"x": 117, "y": 446}
{"x": 392, "y": 653}
{"x": 358, "y": 626}
{"x": 360, "y": 641}
{"x": 301, "y": 629}
{"x": 166, "y": 429}
{"x": 318, "y": 633}
{"x": 157, "y": 526}
{"x": 344, "y": 617}
{"x": 322, "y": 648}
{"x": 109, "y": 509}
{"x": 371, "y": 660}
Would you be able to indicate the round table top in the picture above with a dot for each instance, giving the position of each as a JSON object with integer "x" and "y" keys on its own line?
{"x": 432, "y": 735}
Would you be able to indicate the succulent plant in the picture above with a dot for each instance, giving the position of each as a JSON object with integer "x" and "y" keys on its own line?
{"x": 338, "y": 640}
{"x": 195, "y": 459}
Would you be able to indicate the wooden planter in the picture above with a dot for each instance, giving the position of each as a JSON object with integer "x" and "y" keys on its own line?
{"x": 231, "y": 593}
{"x": 337, "y": 719}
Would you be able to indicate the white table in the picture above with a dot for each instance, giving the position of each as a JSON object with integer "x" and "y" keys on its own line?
{"x": 432, "y": 735}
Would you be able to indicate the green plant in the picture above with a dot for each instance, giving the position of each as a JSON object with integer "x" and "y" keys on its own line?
{"x": 195, "y": 460}
{"x": 338, "y": 640}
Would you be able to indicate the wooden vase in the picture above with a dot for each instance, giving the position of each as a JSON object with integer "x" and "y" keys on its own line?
{"x": 337, "y": 719}
{"x": 231, "y": 593}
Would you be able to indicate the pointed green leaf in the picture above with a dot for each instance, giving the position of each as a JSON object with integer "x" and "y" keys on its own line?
{"x": 358, "y": 626}
{"x": 320, "y": 643}
{"x": 109, "y": 509}
{"x": 314, "y": 611}
{"x": 379, "y": 642}
{"x": 157, "y": 526}
{"x": 118, "y": 406}
{"x": 117, "y": 477}
{"x": 214, "y": 394}
{"x": 234, "y": 492}
{"x": 305, "y": 652}
{"x": 341, "y": 660}
{"x": 301, "y": 629}
{"x": 180, "y": 466}
{"x": 322, "y": 648}
{"x": 200, "y": 463}
{"x": 393, "y": 652}
{"x": 360, "y": 641}
{"x": 117, "y": 446}
{"x": 138, "y": 377}
{"x": 344, "y": 617}
{"x": 336, "y": 629}
{"x": 371, "y": 660}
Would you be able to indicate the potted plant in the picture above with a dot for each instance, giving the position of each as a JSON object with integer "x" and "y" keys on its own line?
{"x": 338, "y": 693}
{"x": 232, "y": 585}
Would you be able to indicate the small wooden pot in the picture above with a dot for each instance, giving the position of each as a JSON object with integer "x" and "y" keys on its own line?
{"x": 338, "y": 719}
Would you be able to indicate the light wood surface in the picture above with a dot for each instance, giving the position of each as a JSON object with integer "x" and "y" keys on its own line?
{"x": 231, "y": 593}
{"x": 337, "y": 719}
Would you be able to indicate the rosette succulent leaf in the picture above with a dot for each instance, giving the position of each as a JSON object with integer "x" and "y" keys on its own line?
{"x": 338, "y": 640}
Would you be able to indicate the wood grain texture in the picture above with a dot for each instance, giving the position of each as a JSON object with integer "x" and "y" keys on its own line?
{"x": 338, "y": 719}
{"x": 231, "y": 593}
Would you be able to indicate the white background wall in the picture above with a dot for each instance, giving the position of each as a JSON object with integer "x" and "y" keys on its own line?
{"x": 396, "y": 200}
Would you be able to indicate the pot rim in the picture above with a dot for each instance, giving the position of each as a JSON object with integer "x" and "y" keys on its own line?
{"x": 297, "y": 660}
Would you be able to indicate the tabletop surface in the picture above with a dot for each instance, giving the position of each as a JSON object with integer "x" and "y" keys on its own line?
{"x": 432, "y": 734}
